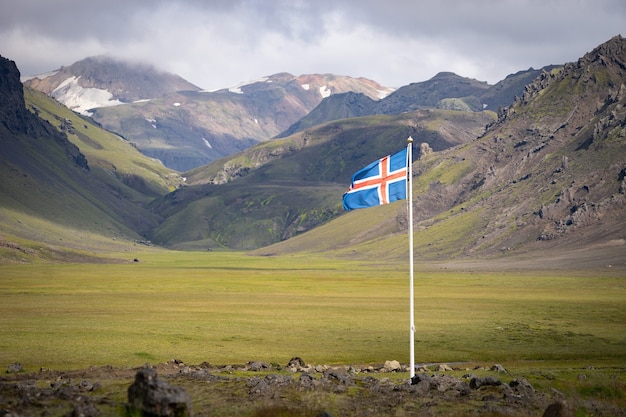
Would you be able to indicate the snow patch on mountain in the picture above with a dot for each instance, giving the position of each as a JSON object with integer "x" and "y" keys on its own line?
{"x": 384, "y": 93}
{"x": 81, "y": 99}
{"x": 325, "y": 91}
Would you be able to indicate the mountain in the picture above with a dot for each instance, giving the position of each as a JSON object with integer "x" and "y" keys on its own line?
{"x": 189, "y": 129}
{"x": 335, "y": 107}
{"x": 430, "y": 94}
{"x": 503, "y": 93}
{"x": 448, "y": 90}
{"x": 105, "y": 81}
{"x": 282, "y": 188}
{"x": 172, "y": 120}
{"x": 445, "y": 90}
{"x": 544, "y": 179}
{"x": 68, "y": 188}
{"x": 547, "y": 182}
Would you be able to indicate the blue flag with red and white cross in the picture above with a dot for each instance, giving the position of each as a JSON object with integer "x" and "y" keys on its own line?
{"x": 381, "y": 182}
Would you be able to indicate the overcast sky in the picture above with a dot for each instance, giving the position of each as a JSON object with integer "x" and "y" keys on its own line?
{"x": 220, "y": 43}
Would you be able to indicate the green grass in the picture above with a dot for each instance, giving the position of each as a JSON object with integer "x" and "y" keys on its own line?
{"x": 224, "y": 307}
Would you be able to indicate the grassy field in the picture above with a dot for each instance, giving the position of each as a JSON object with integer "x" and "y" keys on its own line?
{"x": 230, "y": 308}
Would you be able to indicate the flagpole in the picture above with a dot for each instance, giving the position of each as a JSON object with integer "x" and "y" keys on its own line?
{"x": 409, "y": 185}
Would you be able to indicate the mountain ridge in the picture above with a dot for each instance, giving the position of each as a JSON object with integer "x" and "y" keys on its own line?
{"x": 189, "y": 129}
{"x": 547, "y": 178}
{"x": 544, "y": 176}
{"x": 446, "y": 90}
{"x": 102, "y": 81}
{"x": 186, "y": 127}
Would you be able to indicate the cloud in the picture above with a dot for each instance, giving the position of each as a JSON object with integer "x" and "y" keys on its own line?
{"x": 220, "y": 43}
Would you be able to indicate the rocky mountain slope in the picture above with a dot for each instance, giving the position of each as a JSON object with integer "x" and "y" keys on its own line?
{"x": 66, "y": 182}
{"x": 189, "y": 129}
{"x": 548, "y": 176}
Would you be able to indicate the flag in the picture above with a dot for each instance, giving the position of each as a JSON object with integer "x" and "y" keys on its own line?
{"x": 381, "y": 182}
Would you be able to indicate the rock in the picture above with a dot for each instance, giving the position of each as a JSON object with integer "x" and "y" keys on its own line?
{"x": 151, "y": 396}
{"x": 296, "y": 363}
{"x": 422, "y": 387}
{"x": 306, "y": 381}
{"x": 477, "y": 382}
{"x": 269, "y": 385}
{"x": 339, "y": 376}
{"x": 419, "y": 378}
{"x": 14, "y": 367}
{"x": 463, "y": 388}
{"x": 522, "y": 387}
{"x": 392, "y": 366}
{"x": 445, "y": 383}
{"x": 257, "y": 366}
{"x": 87, "y": 386}
{"x": 444, "y": 367}
{"x": 84, "y": 410}
{"x": 498, "y": 368}
{"x": 558, "y": 409}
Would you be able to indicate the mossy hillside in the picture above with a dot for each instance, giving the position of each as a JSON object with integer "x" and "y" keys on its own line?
{"x": 277, "y": 180}
{"x": 249, "y": 217}
{"x": 48, "y": 198}
{"x": 343, "y": 146}
{"x": 445, "y": 172}
{"x": 45, "y": 194}
{"x": 336, "y": 237}
{"x": 108, "y": 154}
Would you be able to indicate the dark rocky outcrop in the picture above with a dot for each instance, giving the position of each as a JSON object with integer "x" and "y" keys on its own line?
{"x": 13, "y": 114}
{"x": 156, "y": 398}
{"x": 16, "y": 121}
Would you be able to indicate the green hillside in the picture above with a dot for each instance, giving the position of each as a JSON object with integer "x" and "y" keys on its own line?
{"x": 282, "y": 188}
{"x": 55, "y": 205}
{"x": 112, "y": 159}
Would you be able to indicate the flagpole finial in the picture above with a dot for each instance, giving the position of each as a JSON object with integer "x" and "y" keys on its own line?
{"x": 409, "y": 140}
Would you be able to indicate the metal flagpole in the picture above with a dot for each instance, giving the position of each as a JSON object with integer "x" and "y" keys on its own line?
{"x": 409, "y": 185}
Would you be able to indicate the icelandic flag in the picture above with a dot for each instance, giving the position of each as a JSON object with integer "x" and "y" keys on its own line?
{"x": 381, "y": 182}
